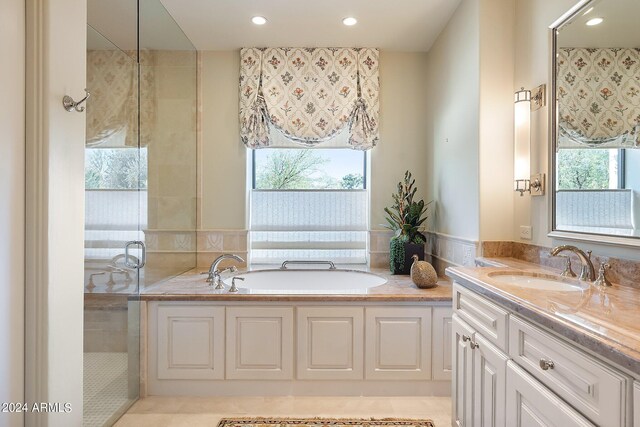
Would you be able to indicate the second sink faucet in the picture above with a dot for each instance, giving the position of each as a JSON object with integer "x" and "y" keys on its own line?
{"x": 588, "y": 272}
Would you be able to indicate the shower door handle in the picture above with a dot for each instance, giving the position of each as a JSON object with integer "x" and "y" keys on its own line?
{"x": 143, "y": 255}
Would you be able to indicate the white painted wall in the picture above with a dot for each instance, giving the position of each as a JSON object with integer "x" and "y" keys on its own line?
{"x": 533, "y": 56}
{"x": 453, "y": 123}
{"x": 403, "y": 135}
{"x": 56, "y": 41}
{"x": 12, "y": 187}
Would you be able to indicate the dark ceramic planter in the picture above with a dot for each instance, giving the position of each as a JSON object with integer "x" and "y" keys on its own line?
{"x": 410, "y": 249}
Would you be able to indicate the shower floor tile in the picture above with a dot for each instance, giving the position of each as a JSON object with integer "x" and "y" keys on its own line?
{"x": 105, "y": 387}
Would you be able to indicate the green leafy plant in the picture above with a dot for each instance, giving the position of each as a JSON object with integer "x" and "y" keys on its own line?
{"x": 405, "y": 218}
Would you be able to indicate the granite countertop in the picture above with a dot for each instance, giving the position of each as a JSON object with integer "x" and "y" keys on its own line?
{"x": 191, "y": 286}
{"x": 603, "y": 320}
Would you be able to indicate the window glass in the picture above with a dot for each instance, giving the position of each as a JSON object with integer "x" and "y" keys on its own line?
{"x": 309, "y": 169}
{"x": 115, "y": 168}
{"x": 589, "y": 169}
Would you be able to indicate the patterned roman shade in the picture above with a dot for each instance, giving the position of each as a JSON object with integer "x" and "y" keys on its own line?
{"x": 309, "y": 96}
{"x": 598, "y": 98}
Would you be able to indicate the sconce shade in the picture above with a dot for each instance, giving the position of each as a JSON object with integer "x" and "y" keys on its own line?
{"x": 522, "y": 136}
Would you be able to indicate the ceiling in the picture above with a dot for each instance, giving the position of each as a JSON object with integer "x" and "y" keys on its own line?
{"x": 400, "y": 25}
{"x": 619, "y": 29}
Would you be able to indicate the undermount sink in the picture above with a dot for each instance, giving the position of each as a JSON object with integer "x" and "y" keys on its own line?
{"x": 541, "y": 282}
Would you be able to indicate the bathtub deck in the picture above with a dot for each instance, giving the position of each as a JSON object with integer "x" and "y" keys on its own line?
{"x": 191, "y": 286}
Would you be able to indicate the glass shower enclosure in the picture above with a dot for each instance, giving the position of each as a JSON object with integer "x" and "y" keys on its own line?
{"x": 140, "y": 186}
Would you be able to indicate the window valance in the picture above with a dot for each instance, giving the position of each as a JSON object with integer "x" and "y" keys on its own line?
{"x": 309, "y": 96}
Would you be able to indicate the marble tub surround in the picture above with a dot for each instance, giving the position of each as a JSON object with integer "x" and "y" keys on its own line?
{"x": 604, "y": 321}
{"x": 213, "y": 243}
{"x": 191, "y": 286}
{"x": 624, "y": 272}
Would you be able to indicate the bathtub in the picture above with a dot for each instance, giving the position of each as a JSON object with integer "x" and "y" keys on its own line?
{"x": 306, "y": 282}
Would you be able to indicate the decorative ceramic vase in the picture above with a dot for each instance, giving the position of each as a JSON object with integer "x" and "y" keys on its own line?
{"x": 403, "y": 266}
{"x": 423, "y": 274}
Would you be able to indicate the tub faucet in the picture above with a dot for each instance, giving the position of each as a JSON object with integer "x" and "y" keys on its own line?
{"x": 587, "y": 273}
{"x": 215, "y": 274}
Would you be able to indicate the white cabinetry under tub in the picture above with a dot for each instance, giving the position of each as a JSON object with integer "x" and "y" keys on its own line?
{"x": 330, "y": 343}
{"x": 522, "y": 375}
{"x": 398, "y": 343}
{"x": 441, "y": 344}
{"x": 259, "y": 343}
{"x": 190, "y": 342}
{"x": 297, "y": 348}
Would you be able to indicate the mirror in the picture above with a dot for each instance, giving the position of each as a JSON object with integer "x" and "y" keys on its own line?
{"x": 596, "y": 122}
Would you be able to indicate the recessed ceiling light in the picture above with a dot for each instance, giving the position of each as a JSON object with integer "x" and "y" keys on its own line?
{"x": 350, "y": 21}
{"x": 259, "y": 20}
{"x": 594, "y": 21}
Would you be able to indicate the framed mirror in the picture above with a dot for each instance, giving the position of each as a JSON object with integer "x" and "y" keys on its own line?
{"x": 595, "y": 118}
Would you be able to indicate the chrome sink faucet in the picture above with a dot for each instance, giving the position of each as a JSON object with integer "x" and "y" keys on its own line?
{"x": 587, "y": 273}
{"x": 215, "y": 274}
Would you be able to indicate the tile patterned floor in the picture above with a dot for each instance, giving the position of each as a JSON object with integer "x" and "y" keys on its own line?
{"x": 105, "y": 387}
{"x": 207, "y": 411}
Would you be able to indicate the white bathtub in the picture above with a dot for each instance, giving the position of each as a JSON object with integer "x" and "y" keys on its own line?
{"x": 306, "y": 282}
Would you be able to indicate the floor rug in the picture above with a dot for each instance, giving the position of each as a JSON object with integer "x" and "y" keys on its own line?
{"x": 323, "y": 422}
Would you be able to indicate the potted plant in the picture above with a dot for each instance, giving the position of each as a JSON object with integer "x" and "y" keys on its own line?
{"x": 405, "y": 218}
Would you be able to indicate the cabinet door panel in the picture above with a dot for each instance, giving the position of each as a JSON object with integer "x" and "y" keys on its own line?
{"x": 398, "y": 343}
{"x": 260, "y": 343}
{"x": 489, "y": 375}
{"x": 594, "y": 389}
{"x": 190, "y": 342}
{"x": 461, "y": 391}
{"x": 531, "y": 404}
{"x": 636, "y": 404}
{"x": 441, "y": 344}
{"x": 482, "y": 315}
{"x": 330, "y": 343}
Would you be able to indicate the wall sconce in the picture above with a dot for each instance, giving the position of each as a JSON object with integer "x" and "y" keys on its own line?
{"x": 523, "y": 180}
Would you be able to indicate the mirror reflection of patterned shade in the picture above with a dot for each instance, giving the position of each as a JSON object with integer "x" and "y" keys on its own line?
{"x": 598, "y": 97}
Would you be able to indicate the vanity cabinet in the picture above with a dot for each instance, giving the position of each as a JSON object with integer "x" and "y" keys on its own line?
{"x": 479, "y": 378}
{"x": 531, "y": 404}
{"x": 503, "y": 361}
{"x": 636, "y": 404}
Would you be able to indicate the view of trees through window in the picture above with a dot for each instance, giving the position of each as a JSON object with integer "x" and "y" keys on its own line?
{"x": 309, "y": 169}
{"x": 588, "y": 169}
{"x": 115, "y": 169}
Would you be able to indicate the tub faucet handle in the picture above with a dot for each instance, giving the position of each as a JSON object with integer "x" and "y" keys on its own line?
{"x": 233, "y": 287}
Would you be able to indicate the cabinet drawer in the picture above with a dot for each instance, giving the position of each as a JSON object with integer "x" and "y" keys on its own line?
{"x": 594, "y": 389}
{"x": 485, "y": 317}
{"x": 530, "y": 404}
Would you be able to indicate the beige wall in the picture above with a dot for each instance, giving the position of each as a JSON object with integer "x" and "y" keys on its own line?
{"x": 453, "y": 123}
{"x": 533, "y": 56}
{"x": 402, "y": 146}
{"x": 497, "y": 66}
{"x": 12, "y": 187}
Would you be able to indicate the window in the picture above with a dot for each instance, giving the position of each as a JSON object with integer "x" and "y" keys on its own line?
{"x": 590, "y": 169}
{"x": 115, "y": 168}
{"x": 308, "y": 204}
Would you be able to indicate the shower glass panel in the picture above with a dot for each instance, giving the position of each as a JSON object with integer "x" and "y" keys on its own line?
{"x": 168, "y": 134}
{"x": 140, "y": 176}
{"x": 115, "y": 183}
